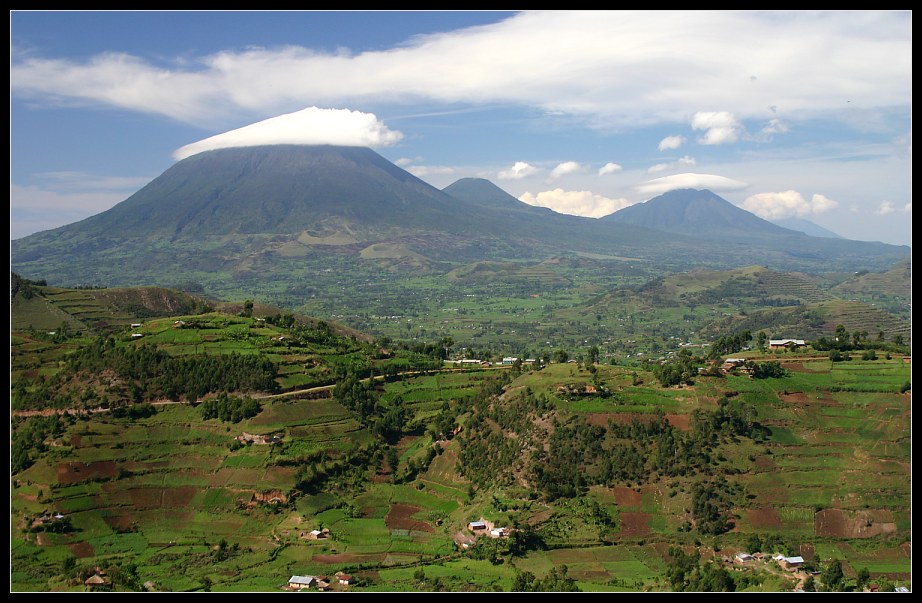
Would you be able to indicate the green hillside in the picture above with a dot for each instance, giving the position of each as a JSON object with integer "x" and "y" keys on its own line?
{"x": 604, "y": 480}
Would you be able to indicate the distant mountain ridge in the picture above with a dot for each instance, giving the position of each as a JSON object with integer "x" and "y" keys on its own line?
{"x": 271, "y": 216}
{"x": 807, "y": 227}
{"x": 698, "y": 213}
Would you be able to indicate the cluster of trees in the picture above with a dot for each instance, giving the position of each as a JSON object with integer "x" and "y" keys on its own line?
{"x": 229, "y": 409}
{"x": 679, "y": 369}
{"x": 134, "y": 411}
{"x": 711, "y": 505}
{"x": 765, "y": 370}
{"x": 386, "y": 419}
{"x": 321, "y": 472}
{"x": 558, "y": 580}
{"x": 29, "y": 437}
{"x": 843, "y": 341}
{"x": 487, "y": 455}
{"x": 686, "y": 573}
{"x": 24, "y": 287}
{"x": 730, "y": 344}
{"x": 504, "y": 442}
{"x": 153, "y": 373}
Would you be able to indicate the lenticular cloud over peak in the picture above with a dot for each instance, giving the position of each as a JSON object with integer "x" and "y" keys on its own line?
{"x": 307, "y": 126}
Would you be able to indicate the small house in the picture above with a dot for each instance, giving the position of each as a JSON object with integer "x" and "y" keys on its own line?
{"x": 779, "y": 344}
{"x": 791, "y": 563}
{"x": 137, "y": 335}
{"x": 345, "y": 579}
{"x": 743, "y": 557}
{"x": 299, "y": 582}
{"x": 98, "y": 580}
{"x": 499, "y": 532}
{"x": 135, "y": 325}
{"x": 477, "y": 526}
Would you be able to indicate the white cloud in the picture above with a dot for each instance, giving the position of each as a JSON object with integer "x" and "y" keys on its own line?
{"x": 775, "y": 126}
{"x": 721, "y": 127}
{"x": 33, "y": 209}
{"x": 565, "y": 168}
{"x": 70, "y": 181}
{"x": 610, "y": 168}
{"x": 885, "y": 208}
{"x": 698, "y": 181}
{"x": 777, "y": 206}
{"x": 614, "y": 68}
{"x": 519, "y": 170}
{"x": 307, "y": 126}
{"x": 420, "y": 171}
{"x": 907, "y": 208}
{"x": 405, "y": 161}
{"x": 679, "y": 163}
{"x": 576, "y": 203}
{"x": 671, "y": 142}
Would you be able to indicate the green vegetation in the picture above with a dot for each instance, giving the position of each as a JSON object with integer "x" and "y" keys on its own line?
{"x": 607, "y": 474}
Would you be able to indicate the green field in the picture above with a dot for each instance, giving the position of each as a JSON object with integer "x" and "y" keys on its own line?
{"x": 179, "y": 501}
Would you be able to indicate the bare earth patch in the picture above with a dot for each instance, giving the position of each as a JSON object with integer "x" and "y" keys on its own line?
{"x": 764, "y": 462}
{"x": 149, "y": 498}
{"x": 82, "y": 550}
{"x": 626, "y": 497}
{"x": 634, "y": 524}
{"x": 766, "y": 517}
{"x": 836, "y": 523}
{"x": 794, "y": 398}
{"x": 119, "y": 523}
{"x": 72, "y": 473}
{"x": 400, "y": 517}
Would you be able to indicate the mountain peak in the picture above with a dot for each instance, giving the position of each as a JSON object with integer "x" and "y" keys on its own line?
{"x": 699, "y": 213}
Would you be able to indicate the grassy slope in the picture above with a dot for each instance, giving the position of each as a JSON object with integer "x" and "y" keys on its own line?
{"x": 174, "y": 478}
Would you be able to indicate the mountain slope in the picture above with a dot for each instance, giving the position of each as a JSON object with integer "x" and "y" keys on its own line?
{"x": 482, "y": 192}
{"x": 698, "y": 213}
{"x": 293, "y": 218}
{"x": 807, "y": 227}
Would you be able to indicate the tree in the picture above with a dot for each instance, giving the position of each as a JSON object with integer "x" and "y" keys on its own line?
{"x": 809, "y": 585}
{"x": 561, "y": 356}
{"x": 833, "y": 577}
{"x": 753, "y": 543}
{"x": 761, "y": 338}
{"x": 863, "y": 577}
{"x": 593, "y": 355}
{"x": 247, "y": 308}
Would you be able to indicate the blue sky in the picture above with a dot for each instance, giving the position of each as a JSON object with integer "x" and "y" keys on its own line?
{"x": 787, "y": 114}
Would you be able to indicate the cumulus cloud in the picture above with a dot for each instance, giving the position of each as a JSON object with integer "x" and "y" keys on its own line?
{"x": 307, "y": 126}
{"x": 610, "y": 168}
{"x": 786, "y": 204}
{"x": 576, "y": 203}
{"x": 519, "y": 170}
{"x": 565, "y": 168}
{"x": 721, "y": 127}
{"x": 907, "y": 208}
{"x": 614, "y": 68}
{"x": 700, "y": 181}
{"x": 886, "y": 207}
{"x": 671, "y": 142}
{"x": 677, "y": 164}
{"x": 405, "y": 161}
